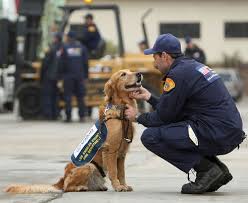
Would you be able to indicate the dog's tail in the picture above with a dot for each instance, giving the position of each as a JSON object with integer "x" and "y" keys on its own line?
{"x": 27, "y": 189}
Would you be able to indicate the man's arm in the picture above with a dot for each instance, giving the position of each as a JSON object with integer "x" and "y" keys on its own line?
{"x": 172, "y": 101}
{"x": 151, "y": 119}
{"x": 169, "y": 107}
{"x": 85, "y": 62}
{"x": 153, "y": 101}
{"x": 147, "y": 119}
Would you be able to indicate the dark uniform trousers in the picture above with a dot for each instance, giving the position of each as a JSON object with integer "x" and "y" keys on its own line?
{"x": 50, "y": 99}
{"x": 171, "y": 142}
{"x": 74, "y": 86}
{"x": 195, "y": 117}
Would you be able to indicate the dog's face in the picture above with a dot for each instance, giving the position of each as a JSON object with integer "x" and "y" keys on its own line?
{"x": 123, "y": 81}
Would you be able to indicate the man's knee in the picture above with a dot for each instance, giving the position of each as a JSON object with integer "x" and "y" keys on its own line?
{"x": 150, "y": 136}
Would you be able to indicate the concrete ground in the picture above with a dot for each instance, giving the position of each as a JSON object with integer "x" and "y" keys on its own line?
{"x": 36, "y": 152}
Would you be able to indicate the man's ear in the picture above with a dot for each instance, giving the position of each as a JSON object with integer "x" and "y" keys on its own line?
{"x": 164, "y": 54}
{"x": 108, "y": 91}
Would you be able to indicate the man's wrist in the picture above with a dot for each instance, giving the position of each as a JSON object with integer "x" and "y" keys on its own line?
{"x": 136, "y": 117}
{"x": 148, "y": 96}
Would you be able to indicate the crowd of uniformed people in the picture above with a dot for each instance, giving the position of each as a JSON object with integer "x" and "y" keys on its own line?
{"x": 65, "y": 66}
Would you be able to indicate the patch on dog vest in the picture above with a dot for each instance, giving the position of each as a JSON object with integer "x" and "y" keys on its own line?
{"x": 91, "y": 143}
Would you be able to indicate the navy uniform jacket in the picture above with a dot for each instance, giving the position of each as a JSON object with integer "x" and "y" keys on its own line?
{"x": 74, "y": 61}
{"x": 50, "y": 63}
{"x": 196, "y": 53}
{"x": 90, "y": 36}
{"x": 195, "y": 93}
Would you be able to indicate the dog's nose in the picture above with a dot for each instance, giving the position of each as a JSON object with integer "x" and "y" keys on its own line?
{"x": 139, "y": 75}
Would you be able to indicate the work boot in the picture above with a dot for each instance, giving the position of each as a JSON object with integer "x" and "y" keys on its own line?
{"x": 225, "y": 178}
{"x": 204, "y": 180}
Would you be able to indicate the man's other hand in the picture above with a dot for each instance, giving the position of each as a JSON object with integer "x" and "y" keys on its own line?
{"x": 131, "y": 113}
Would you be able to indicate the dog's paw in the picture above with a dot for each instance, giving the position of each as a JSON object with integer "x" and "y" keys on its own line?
{"x": 121, "y": 188}
{"x": 103, "y": 188}
{"x": 82, "y": 188}
{"x": 129, "y": 188}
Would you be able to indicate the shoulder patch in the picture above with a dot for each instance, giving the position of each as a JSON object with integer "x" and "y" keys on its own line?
{"x": 92, "y": 28}
{"x": 169, "y": 84}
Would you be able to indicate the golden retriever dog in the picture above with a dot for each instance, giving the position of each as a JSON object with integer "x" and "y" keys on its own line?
{"x": 110, "y": 158}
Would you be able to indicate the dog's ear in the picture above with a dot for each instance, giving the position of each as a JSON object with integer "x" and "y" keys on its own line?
{"x": 108, "y": 91}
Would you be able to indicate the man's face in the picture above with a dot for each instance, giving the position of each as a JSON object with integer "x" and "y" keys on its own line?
{"x": 189, "y": 45}
{"x": 88, "y": 21}
{"x": 162, "y": 62}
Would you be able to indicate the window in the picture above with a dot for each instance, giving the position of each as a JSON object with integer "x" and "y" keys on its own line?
{"x": 181, "y": 30}
{"x": 236, "y": 29}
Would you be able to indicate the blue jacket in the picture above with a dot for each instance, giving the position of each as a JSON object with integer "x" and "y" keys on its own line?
{"x": 90, "y": 36}
{"x": 50, "y": 64}
{"x": 195, "y": 93}
{"x": 74, "y": 61}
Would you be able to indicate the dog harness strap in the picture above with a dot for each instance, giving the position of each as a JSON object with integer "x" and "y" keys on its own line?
{"x": 122, "y": 109}
{"x": 125, "y": 131}
{"x": 125, "y": 123}
{"x": 99, "y": 168}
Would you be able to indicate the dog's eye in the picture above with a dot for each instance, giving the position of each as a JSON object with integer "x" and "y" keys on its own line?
{"x": 123, "y": 74}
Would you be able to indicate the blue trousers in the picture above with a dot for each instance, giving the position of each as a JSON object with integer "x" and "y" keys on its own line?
{"x": 49, "y": 99}
{"x": 74, "y": 86}
{"x": 173, "y": 144}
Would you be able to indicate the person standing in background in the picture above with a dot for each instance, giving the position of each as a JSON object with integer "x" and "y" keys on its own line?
{"x": 90, "y": 34}
{"x": 193, "y": 51}
{"x": 74, "y": 72}
{"x": 49, "y": 76}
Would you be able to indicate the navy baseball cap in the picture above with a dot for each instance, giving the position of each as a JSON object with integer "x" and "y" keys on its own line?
{"x": 165, "y": 43}
{"x": 188, "y": 39}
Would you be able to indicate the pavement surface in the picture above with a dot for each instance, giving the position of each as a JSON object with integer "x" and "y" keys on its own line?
{"x": 36, "y": 153}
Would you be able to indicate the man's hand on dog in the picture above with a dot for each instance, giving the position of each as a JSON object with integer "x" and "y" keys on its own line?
{"x": 141, "y": 94}
{"x": 131, "y": 113}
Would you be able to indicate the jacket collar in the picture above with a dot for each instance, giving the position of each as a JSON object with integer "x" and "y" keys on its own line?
{"x": 173, "y": 65}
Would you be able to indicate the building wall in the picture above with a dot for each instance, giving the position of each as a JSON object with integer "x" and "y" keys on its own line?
{"x": 211, "y": 14}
